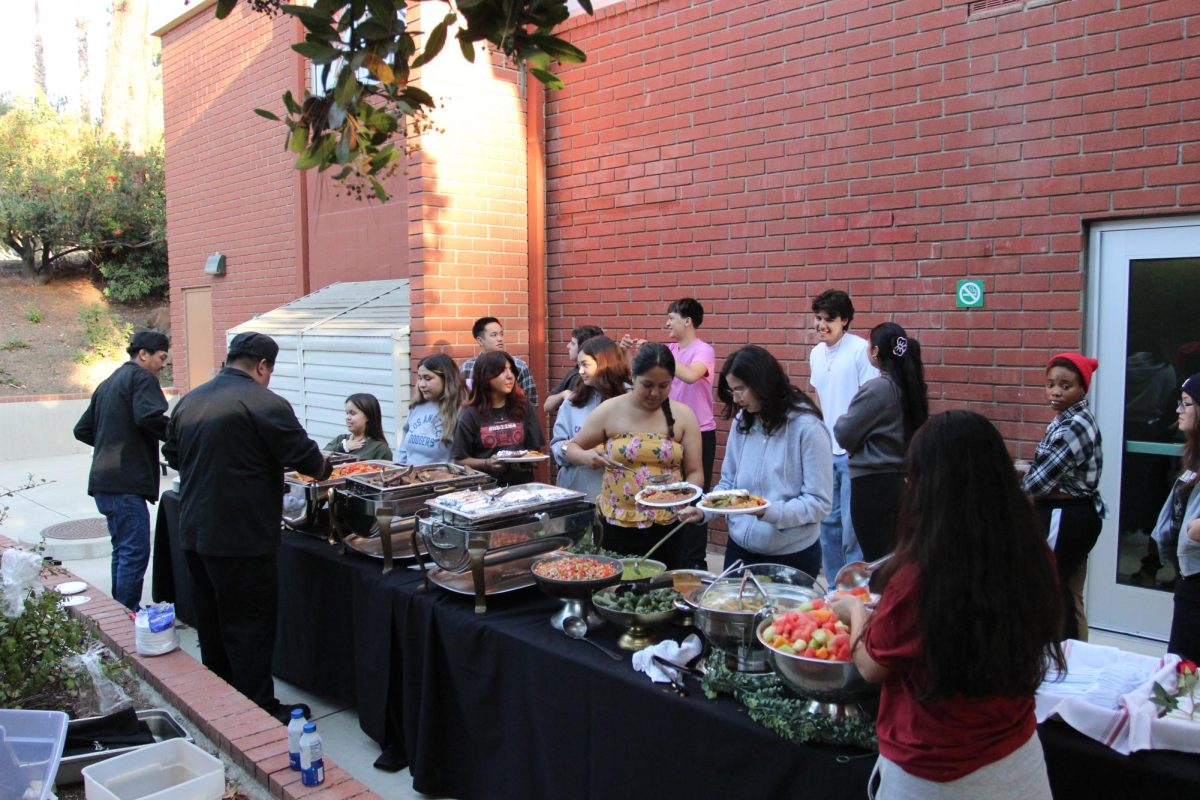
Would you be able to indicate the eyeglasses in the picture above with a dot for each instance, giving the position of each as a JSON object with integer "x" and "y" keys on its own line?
{"x": 1184, "y": 404}
{"x": 739, "y": 391}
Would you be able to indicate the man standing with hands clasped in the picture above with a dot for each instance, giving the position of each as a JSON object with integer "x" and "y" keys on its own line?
{"x": 124, "y": 422}
{"x": 231, "y": 440}
{"x": 838, "y": 365}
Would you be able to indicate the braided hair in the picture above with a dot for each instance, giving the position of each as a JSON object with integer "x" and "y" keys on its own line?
{"x": 657, "y": 355}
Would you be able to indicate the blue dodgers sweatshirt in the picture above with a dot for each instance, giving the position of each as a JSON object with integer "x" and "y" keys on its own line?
{"x": 792, "y": 468}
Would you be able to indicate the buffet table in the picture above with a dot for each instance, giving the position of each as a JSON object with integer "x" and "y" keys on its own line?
{"x": 504, "y": 706}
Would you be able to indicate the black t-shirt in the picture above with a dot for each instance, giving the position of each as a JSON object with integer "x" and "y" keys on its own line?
{"x": 476, "y": 438}
{"x": 569, "y": 382}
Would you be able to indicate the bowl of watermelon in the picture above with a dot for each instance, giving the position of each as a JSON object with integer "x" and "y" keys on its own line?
{"x": 809, "y": 648}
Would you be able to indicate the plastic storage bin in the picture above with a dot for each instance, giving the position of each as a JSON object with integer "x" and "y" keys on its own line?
{"x": 171, "y": 770}
{"x": 32, "y": 744}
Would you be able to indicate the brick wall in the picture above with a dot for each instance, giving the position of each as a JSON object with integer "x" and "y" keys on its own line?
{"x": 231, "y": 186}
{"x": 753, "y": 154}
{"x": 467, "y": 235}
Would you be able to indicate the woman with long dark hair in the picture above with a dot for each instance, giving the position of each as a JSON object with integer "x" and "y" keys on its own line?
{"x": 603, "y": 375}
{"x": 1178, "y": 530}
{"x": 433, "y": 412}
{"x": 876, "y": 430}
{"x": 777, "y": 449}
{"x": 968, "y": 624}
{"x": 643, "y": 434}
{"x": 364, "y": 438}
{"x": 497, "y": 417}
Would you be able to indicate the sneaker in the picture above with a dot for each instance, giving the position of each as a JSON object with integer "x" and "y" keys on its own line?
{"x": 284, "y": 712}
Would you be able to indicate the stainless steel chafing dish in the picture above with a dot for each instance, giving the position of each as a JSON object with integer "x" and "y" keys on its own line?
{"x": 304, "y": 501}
{"x": 387, "y": 500}
{"x": 495, "y": 533}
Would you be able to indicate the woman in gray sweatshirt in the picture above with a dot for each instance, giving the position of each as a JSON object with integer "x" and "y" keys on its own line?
{"x": 603, "y": 373}
{"x": 777, "y": 449}
{"x": 875, "y": 431}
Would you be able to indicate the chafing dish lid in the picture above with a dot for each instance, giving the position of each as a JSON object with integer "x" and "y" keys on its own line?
{"x": 476, "y": 504}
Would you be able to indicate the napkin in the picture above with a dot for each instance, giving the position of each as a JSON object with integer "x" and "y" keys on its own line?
{"x": 1099, "y": 700}
{"x": 1173, "y": 731}
{"x": 676, "y": 652}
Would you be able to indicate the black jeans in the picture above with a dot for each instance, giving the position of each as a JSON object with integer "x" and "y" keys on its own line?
{"x": 695, "y": 537}
{"x": 807, "y": 560}
{"x": 874, "y": 505}
{"x": 1185, "y": 624}
{"x": 236, "y": 601}
{"x": 1078, "y": 529}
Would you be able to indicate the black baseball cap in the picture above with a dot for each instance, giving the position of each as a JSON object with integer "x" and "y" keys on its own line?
{"x": 255, "y": 345}
{"x": 152, "y": 341}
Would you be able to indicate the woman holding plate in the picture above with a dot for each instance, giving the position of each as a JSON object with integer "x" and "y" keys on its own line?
{"x": 603, "y": 374}
{"x": 778, "y": 449}
{"x": 497, "y": 417}
{"x": 644, "y": 434}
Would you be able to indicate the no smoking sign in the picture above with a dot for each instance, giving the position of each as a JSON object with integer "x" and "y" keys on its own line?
{"x": 969, "y": 294}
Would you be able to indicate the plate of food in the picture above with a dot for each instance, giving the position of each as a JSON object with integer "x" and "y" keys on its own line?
{"x": 733, "y": 501}
{"x": 668, "y": 495}
{"x": 521, "y": 456}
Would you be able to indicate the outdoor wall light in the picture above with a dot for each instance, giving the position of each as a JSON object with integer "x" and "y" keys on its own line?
{"x": 215, "y": 265}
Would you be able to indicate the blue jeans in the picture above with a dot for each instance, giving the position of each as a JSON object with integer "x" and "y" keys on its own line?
{"x": 129, "y": 526}
{"x": 839, "y": 545}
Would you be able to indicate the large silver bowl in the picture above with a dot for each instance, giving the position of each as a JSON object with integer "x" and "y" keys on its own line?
{"x": 731, "y": 630}
{"x": 815, "y": 678}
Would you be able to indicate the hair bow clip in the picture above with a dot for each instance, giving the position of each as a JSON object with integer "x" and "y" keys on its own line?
{"x": 901, "y": 347}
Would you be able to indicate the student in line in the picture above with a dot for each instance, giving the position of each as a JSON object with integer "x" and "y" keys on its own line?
{"x": 603, "y": 374}
{"x": 428, "y": 435}
{"x": 497, "y": 417}
{"x": 364, "y": 437}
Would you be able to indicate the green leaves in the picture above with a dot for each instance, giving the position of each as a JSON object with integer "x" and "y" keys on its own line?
{"x": 363, "y": 52}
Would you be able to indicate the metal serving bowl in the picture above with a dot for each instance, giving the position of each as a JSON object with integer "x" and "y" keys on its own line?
{"x": 574, "y": 590}
{"x": 732, "y": 630}
{"x": 637, "y": 634}
{"x": 815, "y": 678}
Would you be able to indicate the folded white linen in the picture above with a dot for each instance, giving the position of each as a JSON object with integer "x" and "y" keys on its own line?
{"x": 676, "y": 652}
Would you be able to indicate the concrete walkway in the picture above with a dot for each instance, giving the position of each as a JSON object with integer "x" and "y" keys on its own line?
{"x": 65, "y": 498}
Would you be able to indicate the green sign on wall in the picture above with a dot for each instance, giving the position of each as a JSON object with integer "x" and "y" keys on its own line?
{"x": 969, "y": 294}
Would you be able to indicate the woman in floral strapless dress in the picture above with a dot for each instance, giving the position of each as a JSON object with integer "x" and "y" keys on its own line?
{"x": 647, "y": 434}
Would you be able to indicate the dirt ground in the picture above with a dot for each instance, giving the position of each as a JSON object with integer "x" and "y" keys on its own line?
{"x": 47, "y": 365}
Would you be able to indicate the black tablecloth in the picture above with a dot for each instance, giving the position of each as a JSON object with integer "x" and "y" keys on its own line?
{"x": 503, "y": 706}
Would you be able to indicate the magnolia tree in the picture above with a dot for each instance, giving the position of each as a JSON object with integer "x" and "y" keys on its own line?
{"x": 65, "y": 188}
{"x": 363, "y": 53}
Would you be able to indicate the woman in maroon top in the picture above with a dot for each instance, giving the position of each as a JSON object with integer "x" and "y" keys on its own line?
{"x": 967, "y": 625}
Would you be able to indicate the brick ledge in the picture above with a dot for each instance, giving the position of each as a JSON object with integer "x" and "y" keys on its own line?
{"x": 251, "y": 737}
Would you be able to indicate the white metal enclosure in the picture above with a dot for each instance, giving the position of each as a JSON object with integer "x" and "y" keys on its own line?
{"x": 343, "y": 339}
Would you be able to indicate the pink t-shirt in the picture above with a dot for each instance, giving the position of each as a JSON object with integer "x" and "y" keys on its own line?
{"x": 697, "y": 396}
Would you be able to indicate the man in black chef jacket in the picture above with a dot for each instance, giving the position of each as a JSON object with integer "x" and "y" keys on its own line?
{"x": 231, "y": 440}
{"x": 124, "y": 422}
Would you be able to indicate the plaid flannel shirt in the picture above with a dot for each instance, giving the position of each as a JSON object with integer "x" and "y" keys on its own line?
{"x": 1069, "y": 458}
{"x": 524, "y": 378}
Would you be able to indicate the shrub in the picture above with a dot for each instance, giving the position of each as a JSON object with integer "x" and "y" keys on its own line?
{"x": 105, "y": 335}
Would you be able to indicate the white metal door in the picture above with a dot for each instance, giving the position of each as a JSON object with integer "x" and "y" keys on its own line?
{"x": 1144, "y": 327}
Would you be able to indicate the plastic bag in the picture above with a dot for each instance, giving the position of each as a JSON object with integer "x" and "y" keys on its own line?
{"x": 19, "y": 572}
{"x": 154, "y": 631}
{"x": 109, "y": 697}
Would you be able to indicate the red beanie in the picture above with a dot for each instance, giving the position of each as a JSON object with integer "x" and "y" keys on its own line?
{"x": 1085, "y": 365}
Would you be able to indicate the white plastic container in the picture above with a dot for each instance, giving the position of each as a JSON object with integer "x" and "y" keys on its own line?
{"x": 32, "y": 747}
{"x": 171, "y": 770}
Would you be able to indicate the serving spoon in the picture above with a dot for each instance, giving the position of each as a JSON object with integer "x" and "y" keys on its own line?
{"x": 856, "y": 574}
{"x": 576, "y": 628}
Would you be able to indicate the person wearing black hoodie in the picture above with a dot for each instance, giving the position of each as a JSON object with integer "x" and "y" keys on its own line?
{"x": 124, "y": 422}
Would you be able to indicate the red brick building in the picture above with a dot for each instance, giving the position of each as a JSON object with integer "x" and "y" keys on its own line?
{"x": 751, "y": 155}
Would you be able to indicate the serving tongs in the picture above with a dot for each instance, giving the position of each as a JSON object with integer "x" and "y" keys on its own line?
{"x": 748, "y": 574}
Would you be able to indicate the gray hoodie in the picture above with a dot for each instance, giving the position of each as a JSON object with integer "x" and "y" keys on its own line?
{"x": 872, "y": 429}
{"x": 568, "y": 422}
{"x": 792, "y": 468}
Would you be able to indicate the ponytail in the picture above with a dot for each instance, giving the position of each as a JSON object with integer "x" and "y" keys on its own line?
{"x": 900, "y": 357}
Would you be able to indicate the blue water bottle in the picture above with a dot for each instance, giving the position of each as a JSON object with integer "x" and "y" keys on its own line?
{"x": 312, "y": 765}
{"x": 295, "y": 729}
